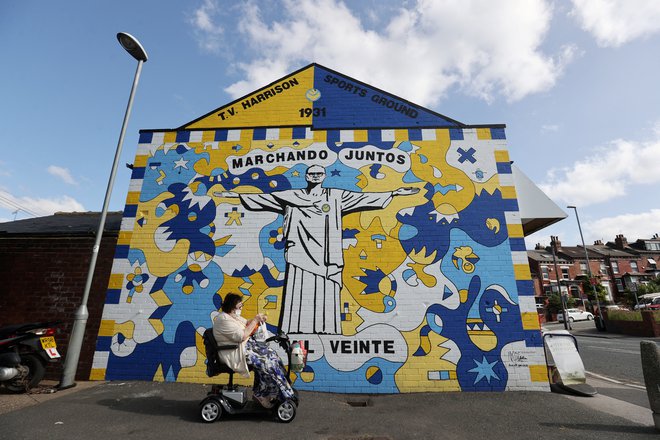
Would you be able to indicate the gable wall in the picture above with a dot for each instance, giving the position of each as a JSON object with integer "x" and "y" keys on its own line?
{"x": 413, "y": 305}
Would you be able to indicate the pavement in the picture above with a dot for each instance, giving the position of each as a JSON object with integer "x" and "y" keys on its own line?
{"x": 153, "y": 410}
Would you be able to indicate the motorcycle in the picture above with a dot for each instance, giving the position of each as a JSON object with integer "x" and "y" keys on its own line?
{"x": 25, "y": 351}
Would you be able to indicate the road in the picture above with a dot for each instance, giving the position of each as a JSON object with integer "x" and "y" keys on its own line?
{"x": 613, "y": 363}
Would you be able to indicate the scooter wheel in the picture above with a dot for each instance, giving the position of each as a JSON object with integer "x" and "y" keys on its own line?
{"x": 35, "y": 372}
{"x": 286, "y": 411}
{"x": 210, "y": 410}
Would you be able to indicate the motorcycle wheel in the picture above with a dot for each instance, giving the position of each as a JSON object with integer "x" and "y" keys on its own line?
{"x": 36, "y": 372}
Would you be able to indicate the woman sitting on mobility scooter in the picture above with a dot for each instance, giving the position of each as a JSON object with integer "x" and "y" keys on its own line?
{"x": 229, "y": 327}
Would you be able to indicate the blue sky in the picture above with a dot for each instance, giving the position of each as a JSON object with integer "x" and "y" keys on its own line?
{"x": 576, "y": 83}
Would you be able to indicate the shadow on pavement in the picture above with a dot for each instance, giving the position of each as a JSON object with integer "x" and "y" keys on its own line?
{"x": 187, "y": 410}
{"x": 602, "y": 428}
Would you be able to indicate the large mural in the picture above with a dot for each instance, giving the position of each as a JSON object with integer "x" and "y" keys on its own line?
{"x": 384, "y": 236}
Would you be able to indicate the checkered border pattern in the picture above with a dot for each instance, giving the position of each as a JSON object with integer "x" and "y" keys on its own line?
{"x": 150, "y": 141}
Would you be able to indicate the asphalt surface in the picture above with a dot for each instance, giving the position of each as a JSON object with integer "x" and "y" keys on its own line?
{"x": 150, "y": 410}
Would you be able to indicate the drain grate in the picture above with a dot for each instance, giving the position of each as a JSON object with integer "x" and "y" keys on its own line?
{"x": 359, "y": 403}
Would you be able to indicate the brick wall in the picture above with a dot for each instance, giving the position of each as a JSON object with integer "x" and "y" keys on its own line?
{"x": 43, "y": 279}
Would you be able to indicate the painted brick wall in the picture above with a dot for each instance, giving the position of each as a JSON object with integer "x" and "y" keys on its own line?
{"x": 43, "y": 279}
{"x": 410, "y": 290}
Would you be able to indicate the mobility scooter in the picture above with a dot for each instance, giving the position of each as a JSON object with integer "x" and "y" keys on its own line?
{"x": 234, "y": 399}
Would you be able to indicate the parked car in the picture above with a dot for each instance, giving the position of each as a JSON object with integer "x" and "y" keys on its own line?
{"x": 649, "y": 302}
{"x": 575, "y": 315}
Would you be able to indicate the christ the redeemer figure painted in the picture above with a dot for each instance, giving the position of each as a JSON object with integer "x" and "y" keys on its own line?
{"x": 314, "y": 256}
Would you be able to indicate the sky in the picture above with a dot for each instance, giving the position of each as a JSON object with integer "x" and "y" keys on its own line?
{"x": 575, "y": 82}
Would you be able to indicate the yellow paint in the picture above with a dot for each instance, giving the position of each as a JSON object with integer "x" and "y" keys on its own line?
{"x": 208, "y": 136}
{"x": 530, "y": 320}
{"x": 97, "y": 374}
{"x": 158, "y": 375}
{"x": 538, "y": 373}
{"x": 515, "y": 230}
{"x": 502, "y": 156}
{"x": 485, "y": 340}
{"x": 107, "y": 327}
{"x": 169, "y": 137}
{"x": 521, "y": 272}
{"x": 400, "y": 135}
{"x": 508, "y": 192}
{"x": 124, "y": 237}
{"x": 160, "y": 298}
{"x": 160, "y": 263}
{"x": 413, "y": 375}
{"x": 116, "y": 281}
{"x": 320, "y": 136}
{"x": 360, "y": 136}
{"x": 158, "y": 326}
{"x": 133, "y": 198}
{"x": 140, "y": 161}
{"x": 483, "y": 134}
{"x": 265, "y": 107}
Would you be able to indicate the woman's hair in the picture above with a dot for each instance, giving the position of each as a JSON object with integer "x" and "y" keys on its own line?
{"x": 230, "y": 301}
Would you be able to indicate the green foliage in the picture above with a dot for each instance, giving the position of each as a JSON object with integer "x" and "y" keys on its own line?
{"x": 652, "y": 287}
{"x": 624, "y": 315}
{"x": 554, "y": 303}
{"x": 589, "y": 289}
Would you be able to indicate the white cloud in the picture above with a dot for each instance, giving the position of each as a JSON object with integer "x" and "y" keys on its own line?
{"x": 208, "y": 33}
{"x": 62, "y": 173}
{"x": 39, "y": 206}
{"x": 549, "y": 128}
{"x": 607, "y": 173}
{"x": 617, "y": 22}
{"x": 633, "y": 226}
{"x": 486, "y": 49}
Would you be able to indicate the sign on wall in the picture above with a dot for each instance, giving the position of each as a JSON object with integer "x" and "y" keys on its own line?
{"x": 394, "y": 253}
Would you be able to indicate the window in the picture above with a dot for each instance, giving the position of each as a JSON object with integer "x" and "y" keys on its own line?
{"x": 583, "y": 268}
{"x": 653, "y": 246}
{"x": 545, "y": 273}
{"x": 575, "y": 292}
{"x": 615, "y": 267}
{"x": 619, "y": 285}
{"x": 633, "y": 266}
{"x": 603, "y": 268}
{"x": 564, "y": 273}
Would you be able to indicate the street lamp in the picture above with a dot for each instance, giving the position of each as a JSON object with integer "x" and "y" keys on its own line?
{"x": 567, "y": 324}
{"x": 133, "y": 47}
{"x": 601, "y": 325}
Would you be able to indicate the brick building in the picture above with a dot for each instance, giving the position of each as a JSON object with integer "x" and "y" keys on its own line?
{"x": 617, "y": 266}
{"x": 43, "y": 269}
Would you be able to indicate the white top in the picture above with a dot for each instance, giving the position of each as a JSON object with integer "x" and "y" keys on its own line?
{"x": 227, "y": 330}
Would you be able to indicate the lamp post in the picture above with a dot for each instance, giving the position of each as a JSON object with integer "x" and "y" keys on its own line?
{"x": 601, "y": 325}
{"x": 567, "y": 324}
{"x": 135, "y": 49}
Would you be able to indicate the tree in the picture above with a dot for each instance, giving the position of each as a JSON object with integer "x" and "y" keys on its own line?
{"x": 588, "y": 289}
{"x": 554, "y": 303}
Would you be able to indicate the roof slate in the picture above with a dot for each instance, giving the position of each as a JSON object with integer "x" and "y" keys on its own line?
{"x": 62, "y": 224}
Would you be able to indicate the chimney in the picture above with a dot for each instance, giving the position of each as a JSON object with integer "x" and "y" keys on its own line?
{"x": 598, "y": 243}
{"x": 655, "y": 236}
{"x": 620, "y": 242}
{"x": 554, "y": 241}
{"x": 538, "y": 247}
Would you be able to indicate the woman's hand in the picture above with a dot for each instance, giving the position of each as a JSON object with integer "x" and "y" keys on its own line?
{"x": 261, "y": 317}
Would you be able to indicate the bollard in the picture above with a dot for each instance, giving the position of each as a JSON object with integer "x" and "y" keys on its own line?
{"x": 651, "y": 368}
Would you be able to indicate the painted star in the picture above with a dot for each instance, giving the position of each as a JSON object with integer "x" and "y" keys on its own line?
{"x": 295, "y": 174}
{"x": 335, "y": 173}
{"x": 181, "y": 163}
{"x": 484, "y": 370}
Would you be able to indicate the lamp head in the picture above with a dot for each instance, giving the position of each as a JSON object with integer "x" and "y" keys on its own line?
{"x": 132, "y": 46}
{"x": 571, "y": 207}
